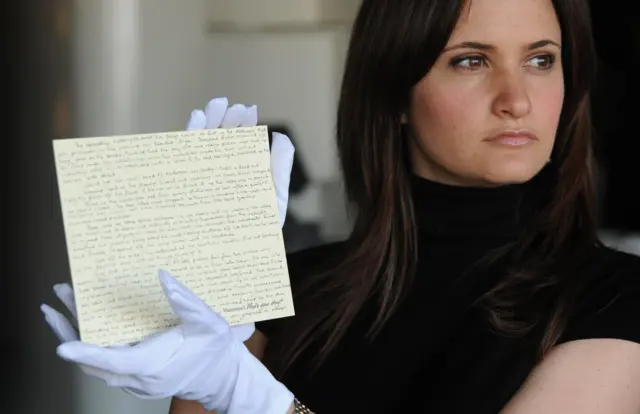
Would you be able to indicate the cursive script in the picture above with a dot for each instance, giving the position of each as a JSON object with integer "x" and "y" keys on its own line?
{"x": 200, "y": 204}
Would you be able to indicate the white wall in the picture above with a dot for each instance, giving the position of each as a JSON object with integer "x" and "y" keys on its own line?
{"x": 293, "y": 77}
{"x": 279, "y": 12}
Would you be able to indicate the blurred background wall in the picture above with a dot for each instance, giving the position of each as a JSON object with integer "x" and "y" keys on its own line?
{"x": 105, "y": 67}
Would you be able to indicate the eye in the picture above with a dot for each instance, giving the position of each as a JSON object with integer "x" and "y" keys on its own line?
{"x": 543, "y": 62}
{"x": 469, "y": 62}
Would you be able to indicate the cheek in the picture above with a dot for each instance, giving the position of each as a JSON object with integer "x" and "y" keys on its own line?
{"x": 549, "y": 107}
{"x": 445, "y": 118}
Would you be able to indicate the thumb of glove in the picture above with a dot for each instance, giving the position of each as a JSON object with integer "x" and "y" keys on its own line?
{"x": 243, "y": 332}
{"x": 197, "y": 316}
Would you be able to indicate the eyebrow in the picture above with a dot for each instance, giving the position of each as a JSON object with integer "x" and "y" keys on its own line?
{"x": 488, "y": 47}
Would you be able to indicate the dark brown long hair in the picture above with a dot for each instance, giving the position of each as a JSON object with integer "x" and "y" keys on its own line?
{"x": 393, "y": 45}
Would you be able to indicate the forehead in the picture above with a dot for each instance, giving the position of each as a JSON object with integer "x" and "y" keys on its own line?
{"x": 507, "y": 21}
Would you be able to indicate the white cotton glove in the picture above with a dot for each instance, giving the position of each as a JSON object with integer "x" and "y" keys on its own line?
{"x": 216, "y": 115}
{"x": 202, "y": 359}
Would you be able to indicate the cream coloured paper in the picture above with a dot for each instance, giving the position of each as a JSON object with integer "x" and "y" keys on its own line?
{"x": 200, "y": 204}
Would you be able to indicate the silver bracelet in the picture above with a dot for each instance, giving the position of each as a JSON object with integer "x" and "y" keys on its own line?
{"x": 300, "y": 408}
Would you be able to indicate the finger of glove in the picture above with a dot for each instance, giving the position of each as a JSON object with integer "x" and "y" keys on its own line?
{"x": 147, "y": 356}
{"x": 65, "y": 293}
{"x": 244, "y": 331}
{"x": 215, "y": 111}
{"x": 250, "y": 117}
{"x": 282, "y": 152}
{"x": 132, "y": 385}
{"x": 147, "y": 395}
{"x": 197, "y": 120}
{"x": 113, "y": 380}
{"x": 234, "y": 116}
{"x": 59, "y": 324}
{"x": 197, "y": 316}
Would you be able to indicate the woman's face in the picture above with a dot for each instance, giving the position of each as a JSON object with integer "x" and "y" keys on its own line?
{"x": 486, "y": 114}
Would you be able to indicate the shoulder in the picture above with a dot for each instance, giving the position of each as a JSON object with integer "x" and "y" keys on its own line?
{"x": 609, "y": 304}
{"x": 588, "y": 376}
{"x": 595, "y": 367}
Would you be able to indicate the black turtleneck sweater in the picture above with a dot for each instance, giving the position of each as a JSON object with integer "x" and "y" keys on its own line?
{"x": 438, "y": 354}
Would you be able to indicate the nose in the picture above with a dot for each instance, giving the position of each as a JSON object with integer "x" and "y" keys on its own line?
{"x": 512, "y": 98}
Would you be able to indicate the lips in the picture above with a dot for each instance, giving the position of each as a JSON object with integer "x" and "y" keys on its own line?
{"x": 513, "y": 138}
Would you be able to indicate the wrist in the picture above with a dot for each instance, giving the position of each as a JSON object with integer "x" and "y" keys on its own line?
{"x": 257, "y": 391}
{"x": 299, "y": 408}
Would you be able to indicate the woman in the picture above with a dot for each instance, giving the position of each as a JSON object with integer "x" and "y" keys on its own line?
{"x": 473, "y": 280}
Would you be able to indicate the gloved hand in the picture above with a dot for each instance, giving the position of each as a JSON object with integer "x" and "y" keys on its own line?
{"x": 202, "y": 359}
{"x": 216, "y": 115}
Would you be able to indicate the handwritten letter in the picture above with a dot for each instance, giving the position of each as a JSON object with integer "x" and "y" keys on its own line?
{"x": 200, "y": 204}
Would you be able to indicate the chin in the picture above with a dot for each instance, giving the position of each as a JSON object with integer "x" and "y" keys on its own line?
{"x": 513, "y": 173}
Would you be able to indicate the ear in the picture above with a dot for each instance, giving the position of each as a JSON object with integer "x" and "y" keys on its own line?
{"x": 403, "y": 119}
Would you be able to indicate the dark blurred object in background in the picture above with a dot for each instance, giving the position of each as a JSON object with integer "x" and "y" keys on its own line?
{"x": 299, "y": 175}
{"x": 615, "y": 112}
{"x": 297, "y": 234}
{"x": 38, "y": 76}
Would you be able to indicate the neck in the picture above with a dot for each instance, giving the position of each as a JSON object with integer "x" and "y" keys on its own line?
{"x": 445, "y": 210}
